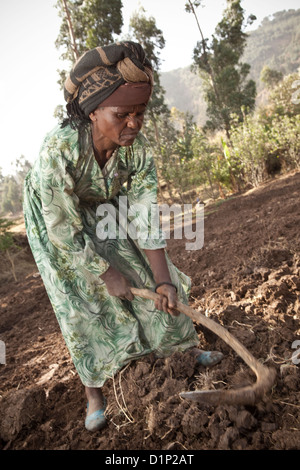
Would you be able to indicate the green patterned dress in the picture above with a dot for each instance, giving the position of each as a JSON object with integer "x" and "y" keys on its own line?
{"x": 62, "y": 196}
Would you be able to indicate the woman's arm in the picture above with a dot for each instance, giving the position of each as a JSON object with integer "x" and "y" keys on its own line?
{"x": 61, "y": 212}
{"x": 168, "y": 296}
{"x": 117, "y": 285}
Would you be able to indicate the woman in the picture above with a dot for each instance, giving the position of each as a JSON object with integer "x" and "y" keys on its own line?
{"x": 98, "y": 159}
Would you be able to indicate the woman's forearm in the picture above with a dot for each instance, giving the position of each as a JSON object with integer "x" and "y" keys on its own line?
{"x": 167, "y": 298}
{"x": 158, "y": 264}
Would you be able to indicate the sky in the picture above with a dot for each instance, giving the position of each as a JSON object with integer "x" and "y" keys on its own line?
{"x": 30, "y": 60}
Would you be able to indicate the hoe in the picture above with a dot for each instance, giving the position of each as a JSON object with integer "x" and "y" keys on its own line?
{"x": 248, "y": 395}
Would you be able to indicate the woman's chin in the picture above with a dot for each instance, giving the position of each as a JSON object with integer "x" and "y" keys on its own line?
{"x": 127, "y": 140}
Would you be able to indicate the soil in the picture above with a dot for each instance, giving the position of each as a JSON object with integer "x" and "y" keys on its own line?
{"x": 246, "y": 277}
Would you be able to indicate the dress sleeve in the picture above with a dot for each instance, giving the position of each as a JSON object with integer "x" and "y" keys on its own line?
{"x": 142, "y": 199}
{"x": 61, "y": 213}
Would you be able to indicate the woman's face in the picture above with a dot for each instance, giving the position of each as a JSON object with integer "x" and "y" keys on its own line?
{"x": 117, "y": 125}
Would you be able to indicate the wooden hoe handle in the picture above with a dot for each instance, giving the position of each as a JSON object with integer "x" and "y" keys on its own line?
{"x": 243, "y": 396}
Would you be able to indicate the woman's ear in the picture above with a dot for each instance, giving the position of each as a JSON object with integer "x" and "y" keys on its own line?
{"x": 92, "y": 116}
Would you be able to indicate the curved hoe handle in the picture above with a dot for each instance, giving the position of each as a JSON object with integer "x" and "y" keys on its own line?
{"x": 247, "y": 395}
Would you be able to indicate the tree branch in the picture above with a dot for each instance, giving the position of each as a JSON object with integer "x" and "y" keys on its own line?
{"x": 71, "y": 31}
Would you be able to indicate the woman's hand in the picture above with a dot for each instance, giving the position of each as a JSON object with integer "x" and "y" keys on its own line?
{"x": 167, "y": 299}
{"x": 116, "y": 284}
{"x": 167, "y": 294}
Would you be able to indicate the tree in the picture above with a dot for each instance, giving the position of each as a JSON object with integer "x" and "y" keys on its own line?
{"x": 186, "y": 132}
{"x": 227, "y": 89}
{"x": 86, "y": 24}
{"x": 270, "y": 77}
{"x": 283, "y": 96}
{"x": 157, "y": 126}
{"x": 12, "y": 187}
{"x": 11, "y": 197}
{"x": 7, "y": 242}
{"x": 145, "y": 31}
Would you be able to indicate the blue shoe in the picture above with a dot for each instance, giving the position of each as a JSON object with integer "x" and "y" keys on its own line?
{"x": 96, "y": 420}
{"x": 209, "y": 358}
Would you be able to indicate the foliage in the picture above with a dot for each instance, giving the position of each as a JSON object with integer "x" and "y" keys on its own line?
{"x": 283, "y": 97}
{"x": 187, "y": 128}
{"x": 250, "y": 147}
{"x": 270, "y": 77}
{"x": 11, "y": 193}
{"x": 184, "y": 91}
{"x": 157, "y": 125}
{"x": 184, "y": 157}
{"x": 226, "y": 87}
{"x": 7, "y": 241}
{"x": 94, "y": 23}
{"x": 276, "y": 44}
{"x": 186, "y": 160}
{"x": 252, "y": 143}
{"x": 268, "y": 140}
{"x": 91, "y": 23}
{"x": 145, "y": 31}
{"x": 284, "y": 136}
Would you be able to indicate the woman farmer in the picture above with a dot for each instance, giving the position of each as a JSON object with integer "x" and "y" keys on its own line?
{"x": 98, "y": 159}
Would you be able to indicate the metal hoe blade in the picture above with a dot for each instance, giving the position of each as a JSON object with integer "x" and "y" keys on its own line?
{"x": 265, "y": 377}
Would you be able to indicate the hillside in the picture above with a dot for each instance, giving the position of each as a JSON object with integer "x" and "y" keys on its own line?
{"x": 276, "y": 43}
{"x": 184, "y": 92}
{"x": 246, "y": 277}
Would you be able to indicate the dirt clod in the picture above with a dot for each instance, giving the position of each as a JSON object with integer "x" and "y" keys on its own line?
{"x": 246, "y": 277}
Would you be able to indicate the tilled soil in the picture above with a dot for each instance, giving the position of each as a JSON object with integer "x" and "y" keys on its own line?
{"x": 246, "y": 277}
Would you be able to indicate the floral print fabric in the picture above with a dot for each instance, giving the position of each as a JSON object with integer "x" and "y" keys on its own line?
{"x": 62, "y": 196}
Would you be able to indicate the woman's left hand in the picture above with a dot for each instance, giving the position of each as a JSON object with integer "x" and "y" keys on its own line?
{"x": 167, "y": 300}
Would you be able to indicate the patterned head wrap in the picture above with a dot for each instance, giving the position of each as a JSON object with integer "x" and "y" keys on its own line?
{"x": 98, "y": 73}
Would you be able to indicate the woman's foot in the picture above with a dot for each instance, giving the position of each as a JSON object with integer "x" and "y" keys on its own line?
{"x": 95, "y": 418}
{"x": 207, "y": 358}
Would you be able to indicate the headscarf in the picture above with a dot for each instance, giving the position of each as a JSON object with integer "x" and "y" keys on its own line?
{"x": 98, "y": 73}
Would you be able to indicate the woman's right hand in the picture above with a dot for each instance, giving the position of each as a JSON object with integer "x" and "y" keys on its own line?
{"x": 117, "y": 285}
{"x": 167, "y": 300}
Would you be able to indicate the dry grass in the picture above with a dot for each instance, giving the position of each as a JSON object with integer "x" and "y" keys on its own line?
{"x": 19, "y": 262}
{"x": 23, "y": 262}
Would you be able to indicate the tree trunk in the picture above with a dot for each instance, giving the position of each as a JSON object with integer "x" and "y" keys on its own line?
{"x": 71, "y": 31}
